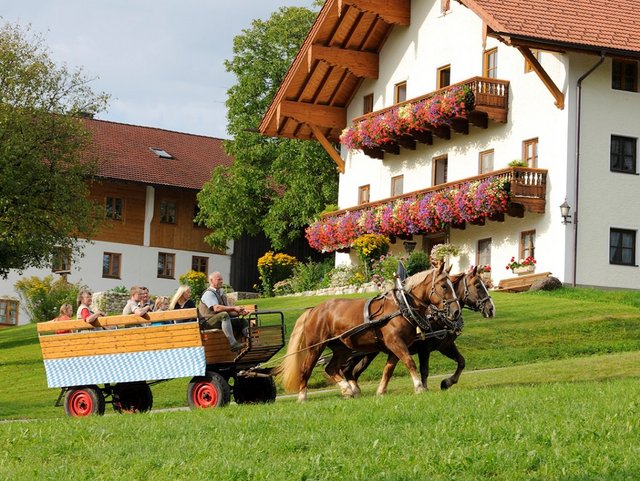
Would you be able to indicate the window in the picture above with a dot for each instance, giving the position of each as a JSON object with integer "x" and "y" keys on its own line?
{"x": 485, "y": 163}
{"x": 397, "y": 185}
{"x": 624, "y": 75}
{"x": 168, "y": 212}
{"x": 483, "y": 256}
{"x": 527, "y": 244}
{"x": 9, "y": 311}
{"x": 623, "y": 154}
{"x": 490, "y": 64}
{"x": 445, "y": 6}
{"x": 166, "y": 265}
{"x": 363, "y": 194}
{"x": 527, "y": 65}
{"x": 400, "y": 92}
{"x": 367, "y": 104}
{"x": 530, "y": 152}
{"x": 163, "y": 154}
{"x": 111, "y": 265}
{"x": 114, "y": 208}
{"x": 200, "y": 264}
{"x": 440, "y": 170}
{"x": 622, "y": 247}
{"x": 444, "y": 77}
{"x": 61, "y": 260}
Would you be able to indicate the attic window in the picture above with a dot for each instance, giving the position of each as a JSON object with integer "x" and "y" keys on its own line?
{"x": 163, "y": 154}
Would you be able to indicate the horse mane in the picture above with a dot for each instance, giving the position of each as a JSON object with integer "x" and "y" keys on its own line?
{"x": 416, "y": 279}
{"x": 456, "y": 277}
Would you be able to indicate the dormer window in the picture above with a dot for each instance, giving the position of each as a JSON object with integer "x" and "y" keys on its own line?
{"x": 163, "y": 154}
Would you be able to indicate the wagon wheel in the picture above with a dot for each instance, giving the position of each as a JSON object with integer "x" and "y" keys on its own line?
{"x": 254, "y": 390}
{"x": 134, "y": 397}
{"x": 84, "y": 401}
{"x": 208, "y": 391}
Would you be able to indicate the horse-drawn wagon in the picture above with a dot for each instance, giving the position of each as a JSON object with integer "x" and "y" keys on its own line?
{"x": 118, "y": 358}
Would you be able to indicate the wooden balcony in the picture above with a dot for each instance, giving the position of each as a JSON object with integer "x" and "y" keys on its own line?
{"x": 527, "y": 189}
{"x": 491, "y": 103}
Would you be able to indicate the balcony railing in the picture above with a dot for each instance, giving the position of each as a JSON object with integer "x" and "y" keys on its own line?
{"x": 510, "y": 191}
{"x": 491, "y": 103}
{"x": 527, "y": 186}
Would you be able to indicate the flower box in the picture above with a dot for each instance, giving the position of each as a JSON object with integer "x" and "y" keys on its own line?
{"x": 524, "y": 270}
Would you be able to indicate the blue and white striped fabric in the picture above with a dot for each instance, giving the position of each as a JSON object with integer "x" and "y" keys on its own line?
{"x": 127, "y": 367}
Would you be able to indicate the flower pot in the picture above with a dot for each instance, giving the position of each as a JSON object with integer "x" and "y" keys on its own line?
{"x": 524, "y": 270}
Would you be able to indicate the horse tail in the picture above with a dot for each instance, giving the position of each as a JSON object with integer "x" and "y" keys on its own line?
{"x": 289, "y": 371}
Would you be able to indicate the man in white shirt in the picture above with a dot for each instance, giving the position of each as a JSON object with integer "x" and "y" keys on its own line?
{"x": 216, "y": 313}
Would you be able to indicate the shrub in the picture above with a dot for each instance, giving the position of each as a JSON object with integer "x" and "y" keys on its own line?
{"x": 371, "y": 247}
{"x": 197, "y": 281}
{"x": 310, "y": 275}
{"x": 42, "y": 298}
{"x": 274, "y": 268}
{"x": 384, "y": 269}
{"x": 418, "y": 261}
{"x": 119, "y": 290}
{"x": 282, "y": 288}
{"x": 346, "y": 276}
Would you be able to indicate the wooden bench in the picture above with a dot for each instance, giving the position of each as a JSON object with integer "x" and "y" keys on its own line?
{"x": 521, "y": 283}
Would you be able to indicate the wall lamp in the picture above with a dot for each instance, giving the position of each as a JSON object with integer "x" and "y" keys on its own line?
{"x": 409, "y": 246}
{"x": 564, "y": 212}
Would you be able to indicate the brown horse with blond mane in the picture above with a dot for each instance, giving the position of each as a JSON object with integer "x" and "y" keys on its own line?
{"x": 378, "y": 324}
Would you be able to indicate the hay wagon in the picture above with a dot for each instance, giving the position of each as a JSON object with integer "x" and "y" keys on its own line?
{"x": 118, "y": 358}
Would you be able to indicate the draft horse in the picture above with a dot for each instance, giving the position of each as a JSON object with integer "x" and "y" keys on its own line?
{"x": 472, "y": 294}
{"x": 378, "y": 324}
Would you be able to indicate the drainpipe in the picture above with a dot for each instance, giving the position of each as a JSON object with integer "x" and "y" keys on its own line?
{"x": 578, "y": 122}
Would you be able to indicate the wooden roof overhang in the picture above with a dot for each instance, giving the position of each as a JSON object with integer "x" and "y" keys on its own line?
{"x": 340, "y": 51}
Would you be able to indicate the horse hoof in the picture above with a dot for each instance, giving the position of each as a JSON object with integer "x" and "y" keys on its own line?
{"x": 445, "y": 384}
{"x": 420, "y": 390}
{"x": 347, "y": 393}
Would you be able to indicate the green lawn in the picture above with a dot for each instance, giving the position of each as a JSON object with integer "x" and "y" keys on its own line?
{"x": 550, "y": 393}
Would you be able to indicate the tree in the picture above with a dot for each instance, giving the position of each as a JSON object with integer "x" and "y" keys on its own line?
{"x": 44, "y": 166}
{"x": 274, "y": 185}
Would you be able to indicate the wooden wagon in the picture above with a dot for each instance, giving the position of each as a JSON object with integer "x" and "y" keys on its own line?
{"x": 118, "y": 358}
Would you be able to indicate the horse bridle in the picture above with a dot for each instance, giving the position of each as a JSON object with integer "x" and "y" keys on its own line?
{"x": 479, "y": 304}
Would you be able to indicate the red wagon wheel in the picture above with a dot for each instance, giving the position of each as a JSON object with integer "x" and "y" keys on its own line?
{"x": 209, "y": 391}
{"x": 84, "y": 401}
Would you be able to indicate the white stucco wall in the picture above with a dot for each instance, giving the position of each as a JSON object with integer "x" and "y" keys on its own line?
{"x": 414, "y": 54}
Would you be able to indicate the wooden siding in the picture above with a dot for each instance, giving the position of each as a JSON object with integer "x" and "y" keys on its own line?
{"x": 183, "y": 235}
{"x": 93, "y": 343}
{"x": 129, "y": 229}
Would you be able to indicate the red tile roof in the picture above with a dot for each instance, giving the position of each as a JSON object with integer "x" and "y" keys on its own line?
{"x": 124, "y": 153}
{"x": 596, "y": 24}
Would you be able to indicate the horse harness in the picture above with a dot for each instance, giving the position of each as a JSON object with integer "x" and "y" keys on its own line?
{"x": 408, "y": 308}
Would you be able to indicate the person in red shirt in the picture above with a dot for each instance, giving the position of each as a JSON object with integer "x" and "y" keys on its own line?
{"x": 64, "y": 315}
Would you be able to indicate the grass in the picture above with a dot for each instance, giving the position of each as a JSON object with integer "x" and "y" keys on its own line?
{"x": 563, "y": 431}
{"x": 550, "y": 393}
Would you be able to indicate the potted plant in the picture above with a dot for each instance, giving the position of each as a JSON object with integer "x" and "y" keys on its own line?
{"x": 523, "y": 266}
{"x": 441, "y": 253}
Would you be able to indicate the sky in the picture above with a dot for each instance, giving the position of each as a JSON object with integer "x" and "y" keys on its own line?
{"x": 162, "y": 61}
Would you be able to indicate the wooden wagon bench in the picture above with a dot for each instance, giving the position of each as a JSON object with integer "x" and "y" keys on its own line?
{"x": 127, "y": 354}
{"x": 521, "y": 283}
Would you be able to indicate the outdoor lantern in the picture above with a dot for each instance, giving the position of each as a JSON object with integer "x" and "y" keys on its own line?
{"x": 409, "y": 246}
{"x": 564, "y": 212}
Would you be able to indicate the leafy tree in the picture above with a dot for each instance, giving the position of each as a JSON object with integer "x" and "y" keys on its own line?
{"x": 274, "y": 185}
{"x": 44, "y": 168}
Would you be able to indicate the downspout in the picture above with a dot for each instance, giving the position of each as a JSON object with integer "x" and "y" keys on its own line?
{"x": 578, "y": 122}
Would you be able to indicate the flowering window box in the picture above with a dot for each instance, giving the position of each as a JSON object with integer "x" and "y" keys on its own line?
{"x": 524, "y": 270}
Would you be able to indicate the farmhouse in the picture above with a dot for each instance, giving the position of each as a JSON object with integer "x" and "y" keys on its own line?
{"x": 555, "y": 88}
{"x": 147, "y": 182}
